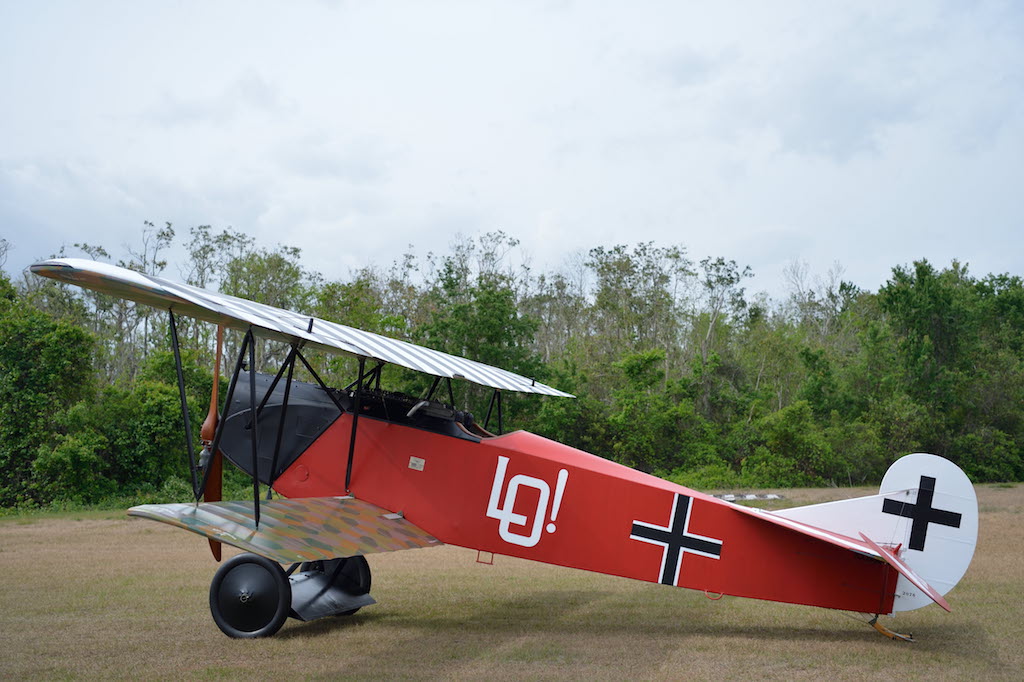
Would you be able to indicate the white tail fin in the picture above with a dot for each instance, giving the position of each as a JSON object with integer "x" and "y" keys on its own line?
{"x": 926, "y": 511}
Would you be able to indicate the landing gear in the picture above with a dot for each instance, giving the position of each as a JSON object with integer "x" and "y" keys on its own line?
{"x": 250, "y": 596}
{"x": 889, "y": 633}
{"x": 351, "y": 575}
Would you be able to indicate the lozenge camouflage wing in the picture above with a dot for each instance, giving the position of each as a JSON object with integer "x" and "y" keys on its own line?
{"x": 290, "y": 531}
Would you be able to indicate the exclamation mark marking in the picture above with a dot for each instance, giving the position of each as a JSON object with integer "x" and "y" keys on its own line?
{"x": 563, "y": 476}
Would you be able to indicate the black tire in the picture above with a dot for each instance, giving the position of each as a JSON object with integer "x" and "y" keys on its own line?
{"x": 250, "y": 596}
{"x": 353, "y": 576}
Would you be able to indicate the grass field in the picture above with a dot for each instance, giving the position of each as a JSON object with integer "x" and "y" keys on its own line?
{"x": 94, "y": 595}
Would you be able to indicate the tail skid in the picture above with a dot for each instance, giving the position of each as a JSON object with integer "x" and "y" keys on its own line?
{"x": 890, "y": 633}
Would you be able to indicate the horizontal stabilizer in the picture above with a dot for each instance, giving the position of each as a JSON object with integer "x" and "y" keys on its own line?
{"x": 300, "y": 529}
{"x": 823, "y": 534}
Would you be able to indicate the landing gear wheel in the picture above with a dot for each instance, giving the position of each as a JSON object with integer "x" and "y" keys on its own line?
{"x": 351, "y": 574}
{"x": 250, "y": 596}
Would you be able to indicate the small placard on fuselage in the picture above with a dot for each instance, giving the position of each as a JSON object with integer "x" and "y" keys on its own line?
{"x": 417, "y": 463}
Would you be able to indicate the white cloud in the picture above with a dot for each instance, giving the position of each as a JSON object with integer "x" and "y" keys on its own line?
{"x": 869, "y": 133}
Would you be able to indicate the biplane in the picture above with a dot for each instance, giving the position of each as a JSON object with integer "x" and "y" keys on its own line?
{"x": 361, "y": 469}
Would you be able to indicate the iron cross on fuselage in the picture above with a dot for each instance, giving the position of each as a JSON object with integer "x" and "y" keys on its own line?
{"x": 676, "y": 539}
{"x": 922, "y": 513}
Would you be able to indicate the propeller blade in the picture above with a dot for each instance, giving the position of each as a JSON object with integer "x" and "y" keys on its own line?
{"x": 214, "y": 483}
{"x": 214, "y": 490}
{"x": 209, "y": 428}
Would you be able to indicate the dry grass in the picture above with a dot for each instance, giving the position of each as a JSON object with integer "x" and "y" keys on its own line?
{"x": 97, "y": 595}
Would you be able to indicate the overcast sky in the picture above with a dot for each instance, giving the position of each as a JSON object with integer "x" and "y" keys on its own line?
{"x": 868, "y": 133}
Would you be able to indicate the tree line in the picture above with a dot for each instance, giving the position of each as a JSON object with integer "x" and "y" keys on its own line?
{"x": 677, "y": 369}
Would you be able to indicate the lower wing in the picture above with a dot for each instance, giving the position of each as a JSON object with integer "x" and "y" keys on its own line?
{"x": 294, "y": 530}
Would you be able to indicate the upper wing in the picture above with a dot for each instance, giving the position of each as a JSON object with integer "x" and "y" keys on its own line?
{"x": 300, "y": 529}
{"x": 276, "y": 323}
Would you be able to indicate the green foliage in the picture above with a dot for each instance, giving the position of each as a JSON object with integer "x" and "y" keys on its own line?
{"x": 580, "y": 423}
{"x": 128, "y": 439}
{"x": 272, "y": 277}
{"x": 653, "y": 424}
{"x": 74, "y": 468}
{"x": 675, "y": 370}
{"x": 793, "y": 451}
{"x": 820, "y": 388}
{"x": 45, "y": 366}
{"x": 994, "y": 455}
{"x": 958, "y": 342}
{"x": 357, "y": 303}
{"x": 715, "y": 476}
{"x": 862, "y": 455}
{"x": 475, "y": 314}
{"x": 160, "y": 368}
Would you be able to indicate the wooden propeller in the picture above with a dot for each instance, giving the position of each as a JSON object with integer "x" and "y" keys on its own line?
{"x": 214, "y": 483}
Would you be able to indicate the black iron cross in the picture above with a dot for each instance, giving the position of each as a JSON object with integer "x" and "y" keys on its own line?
{"x": 676, "y": 539}
{"x": 922, "y": 513}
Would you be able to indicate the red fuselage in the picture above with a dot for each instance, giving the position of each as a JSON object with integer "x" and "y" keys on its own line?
{"x": 526, "y": 496}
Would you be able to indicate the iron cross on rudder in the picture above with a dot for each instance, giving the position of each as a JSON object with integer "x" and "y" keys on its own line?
{"x": 922, "y": 513}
